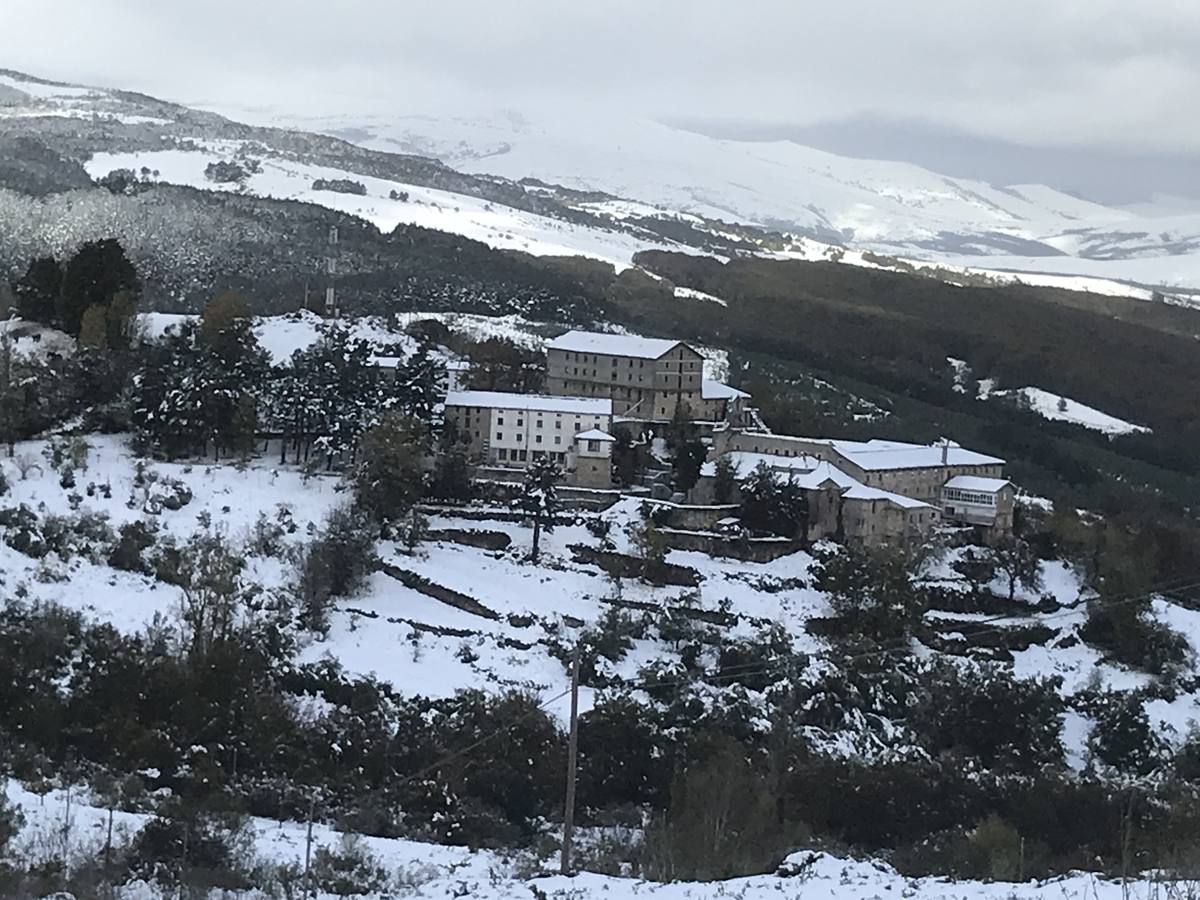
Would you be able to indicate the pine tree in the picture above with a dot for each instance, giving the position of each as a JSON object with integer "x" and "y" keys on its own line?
{"x": 38, "y": 289}
{"x": 418, "y": 386}
{"x": 388, "y": 474}
{"x": 451, "y": 479}
{"x": 724, "y": 480}
{"x": 539, "y": 498}
{"x": 340, "y": 390}
{"x": 774, "y": 506}
{"x": 686, "y": 463}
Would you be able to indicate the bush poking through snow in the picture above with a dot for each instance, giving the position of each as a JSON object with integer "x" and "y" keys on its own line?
{"x": 349, "y": 870}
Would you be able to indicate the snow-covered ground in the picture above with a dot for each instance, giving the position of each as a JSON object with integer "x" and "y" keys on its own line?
{"x": 401, "y": 636}
{"x": 1046, "y": 404}
{"x": 387, "y": 204}
{"x": 55, "y": 828}
{"x": 1064, "y": 409}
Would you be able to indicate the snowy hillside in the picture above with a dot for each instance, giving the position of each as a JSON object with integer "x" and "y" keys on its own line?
{"x": 627, "y": 185}
{"x": 894, "y": 208}
{"x": 779, "y": 184}
{"x": 422, "y": 870}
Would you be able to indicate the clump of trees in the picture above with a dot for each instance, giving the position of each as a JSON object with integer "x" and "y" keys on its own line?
{"x": 773, "y": 505}
{"x": 97, "y": 287}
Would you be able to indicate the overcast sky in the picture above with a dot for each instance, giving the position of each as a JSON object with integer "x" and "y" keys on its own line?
{"x": 1112, "y": 78}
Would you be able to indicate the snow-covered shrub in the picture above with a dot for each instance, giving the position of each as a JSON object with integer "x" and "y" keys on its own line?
{"x": 133, "y": 540}
{"x": 22, "y": 531}
{"x": 267, "y": 534}
{"x": 224, "y": 172}
{"x": 985, "y": 717}
{"x": 193, "y": 848}
{"x": 340, "y": 185}
{"x": 721, "y": 822}
{"x": 336, "y": 564}
{"x": 1130, "y": 634}
{"x": 349, "y": 869}
{"x": 1123, "y": 737}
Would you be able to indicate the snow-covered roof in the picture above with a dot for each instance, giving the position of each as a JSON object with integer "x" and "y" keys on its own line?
{"x": 612, "y": 344}
{"x": 976, "y": 483}
{"x": 877, "y": 455}
{"x": 585, "y": 406}
{"x": 862, "y": 492}
{"x": 716, "y": 390}
{"x": 811, "y": 474}
{"x": 595, "y": 434}
{"x": 745, "y": 462}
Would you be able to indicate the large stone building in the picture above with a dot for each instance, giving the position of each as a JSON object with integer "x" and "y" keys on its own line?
{"x": 840, "y": 507}
{"x": 512, "y": 430}
{"x": 914, "y": 470}
{"x": 647, "y": 379}
{"x": 877, "y": 491}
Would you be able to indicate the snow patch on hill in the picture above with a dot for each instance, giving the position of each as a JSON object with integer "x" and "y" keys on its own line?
{"x": 1063, "y": 409}
{"x": 385, "y": 203}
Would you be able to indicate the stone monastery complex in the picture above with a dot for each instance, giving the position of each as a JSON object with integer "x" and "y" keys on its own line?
{"x": 606, "y": 387}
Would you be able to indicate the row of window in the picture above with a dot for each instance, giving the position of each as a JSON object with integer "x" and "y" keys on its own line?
{"x": 979, "y": 498}
{"x": 537, "y": 438}
{"x": 504, "y": 455}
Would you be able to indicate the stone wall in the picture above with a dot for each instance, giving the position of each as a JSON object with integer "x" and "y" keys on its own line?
{"x": 760, "y": 550}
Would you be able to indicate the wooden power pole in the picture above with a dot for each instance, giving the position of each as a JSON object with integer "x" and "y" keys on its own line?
{"x": 572, "y": 755}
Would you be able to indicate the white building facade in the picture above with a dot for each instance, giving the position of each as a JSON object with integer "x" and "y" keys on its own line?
{"x": 512, "y": 430}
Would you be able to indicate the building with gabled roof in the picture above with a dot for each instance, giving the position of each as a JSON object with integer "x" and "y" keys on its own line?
{"x": 507, "y": 430}
{"x": 647, "y": 379}
{"x": 839, "y": 505}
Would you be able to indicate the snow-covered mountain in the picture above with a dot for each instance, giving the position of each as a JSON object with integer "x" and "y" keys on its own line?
{"x": 601, "y": 187}
{"x": 883, "y": 206}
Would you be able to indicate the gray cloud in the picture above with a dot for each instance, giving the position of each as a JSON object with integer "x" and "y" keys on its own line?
{"x": 1082, "y": 73}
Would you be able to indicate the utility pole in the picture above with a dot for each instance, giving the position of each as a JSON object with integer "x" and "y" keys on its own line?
{"x": 312, "y": 812}
{"x": 572, "y": 754}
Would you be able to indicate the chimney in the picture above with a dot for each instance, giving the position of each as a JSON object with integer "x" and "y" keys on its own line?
{"x": 945, "y": 450}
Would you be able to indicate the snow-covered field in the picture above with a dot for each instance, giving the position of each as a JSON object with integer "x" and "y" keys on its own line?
{"x": 1046, "y": 404}
{"x": 1063, "y": 409}
{"x": 496, "y": 225}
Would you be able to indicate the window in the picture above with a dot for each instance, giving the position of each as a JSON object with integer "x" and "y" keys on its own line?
{"x": 499, "y": 420}
{"x": 578, "y": 426}
{"x": 593, "y": 446}
{"x": 499, "y": 435}
{"x": 539, "y": 423}
{"x": 558, "y": 424}
{"x": 537, "y": 438}
{"x": 503, "y": 453}
{"x": 614, "y": 362}
{"x": 519, "y": 436}
{"x": 520, "y": 421}
{"x": 557, "y": 439}
{"x": 520, "y": 454}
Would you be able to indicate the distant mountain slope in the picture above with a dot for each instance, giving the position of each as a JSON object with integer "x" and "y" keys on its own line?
{"x": 778, "y": 184}
{"x": 595, "y": 188}
{"x": 889, "y": 207}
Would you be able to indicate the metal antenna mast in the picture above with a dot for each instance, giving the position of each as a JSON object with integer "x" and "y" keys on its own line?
{"x": 331, "y": 307}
